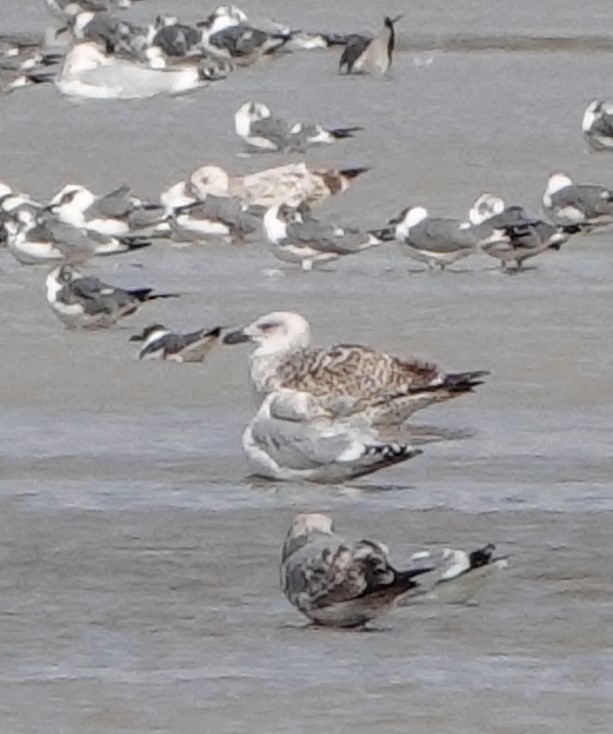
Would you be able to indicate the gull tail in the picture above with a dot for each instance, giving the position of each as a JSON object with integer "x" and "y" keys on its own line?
{"x": 344, "y": 132}
{"x": 382, "y": 455}
{"x": 459, "y": 382}
{"x": 134, "y": 242}
{"x": 405, "y": 580}
{"x": 353, "y": 172}
{"x": 147, "y": 294}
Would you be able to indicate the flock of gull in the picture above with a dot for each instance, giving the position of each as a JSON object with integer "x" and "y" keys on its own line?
{"x": 322, "y": 412}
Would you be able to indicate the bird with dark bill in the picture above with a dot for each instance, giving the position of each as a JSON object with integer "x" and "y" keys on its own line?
{"x": 384, "y": 389}
{"x": 85, "y": 302}
{"x": 366, "y": 55}
{"x": 159, "y": 342}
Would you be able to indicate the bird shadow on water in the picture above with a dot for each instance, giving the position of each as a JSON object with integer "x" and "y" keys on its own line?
{"x": 312, "y": 627}
{"x": 425, "y": 434}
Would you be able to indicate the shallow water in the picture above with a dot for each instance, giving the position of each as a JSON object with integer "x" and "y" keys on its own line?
{"x": 139, "y": 560}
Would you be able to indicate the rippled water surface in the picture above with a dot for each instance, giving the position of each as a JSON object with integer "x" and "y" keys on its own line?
{"x": 138, "y": 570}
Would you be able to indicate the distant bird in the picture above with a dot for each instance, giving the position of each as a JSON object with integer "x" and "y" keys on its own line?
{"x": 84, "y": 302}
{"x": 301, "y": 239}
{"x": 582, "y": 205}
{"x": 260, "y": 131}
{"x": 365, "y": 55}
{"x": 338, "y": 582}
{"x": 438, "y": 242}
{"x": 227, "y": 33}
{"x": 293, "y": 437}
{"x": 67, "y": 8}
{"x": 294, "y": 184}
{"x": 597, "y": 125}
{"x": 162, "y": 343}
{"x": 384, "y": 389}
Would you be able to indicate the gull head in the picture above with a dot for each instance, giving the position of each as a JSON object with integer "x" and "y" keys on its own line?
{"x": 210, "y": 180}
{"x": 58, "y": 278}
{"x": 83, "y": 57}
{"x": 248, "y": 113}
{"x": 302, "y": 529}
{"x": 276, "y": 332}
{"x": 224, "y": 16}
{"x": 557, "y": 182}
{"x": 409, "y": 217}
{"x": 5, "y": 190}
{"x": 486, "y": 207}
{"x": 73, "y": 197}
{"x": 149, "y": 332}
{"x": 275, "y": 222}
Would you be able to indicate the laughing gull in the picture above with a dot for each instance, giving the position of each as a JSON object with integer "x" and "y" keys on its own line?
{"x": 303, "y": 240}
{"x": 173, "y": 38}
{"x": 365, "y": 55}
{"x": 583, "y": 205}
{"x": 437, "y": 242}
{"x": 385, "y": 389}
{"x": 292, "y": 437}
{"x": 158, "y": 342}
{"x": 520, "y": 236}
{"x": 597, "y": 124}
{"x": 69, "y": 8}
{"x": 215, "y": 217}
{"x": 35, "y": 239}
{"x": 117, "y": 36}
{"x": 89, "y": 72}
{"x": 292, "y": 184}
{"x": 254, "y": 123}
{"x": 227, "y": 33}
{"x": 88, "y": 303}
{"x": 116, "y": 213}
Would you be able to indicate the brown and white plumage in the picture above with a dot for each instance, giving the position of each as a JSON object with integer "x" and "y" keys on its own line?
{"x": 384, "y": 388}
{"x": 339, "y": 583}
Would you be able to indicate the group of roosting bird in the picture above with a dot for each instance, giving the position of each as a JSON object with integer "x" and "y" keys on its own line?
{"x": 322, "y": 412}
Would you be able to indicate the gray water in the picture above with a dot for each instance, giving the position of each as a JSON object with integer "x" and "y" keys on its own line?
{"x": 138, "y": 558}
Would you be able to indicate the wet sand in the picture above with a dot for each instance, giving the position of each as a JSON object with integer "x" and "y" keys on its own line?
{"x": 140, "y": 561}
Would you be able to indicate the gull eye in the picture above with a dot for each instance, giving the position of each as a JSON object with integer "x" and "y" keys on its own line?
{"x": 267, "y": 326}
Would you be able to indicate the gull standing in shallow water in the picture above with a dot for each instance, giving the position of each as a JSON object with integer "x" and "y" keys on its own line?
{"x": 293, "y": 437}
{"x": 580, "y": 205}
{"x": 84, "y": 302}
{"x": 365, "y": 55}
{"x": 383, "y": 388}
{"x": 297, "y": 237}
{"x": 437, "y": 242}
{"x": 255, "y": 125}
{"x": 162, "y": 343}
{"x": 336, "y": 582}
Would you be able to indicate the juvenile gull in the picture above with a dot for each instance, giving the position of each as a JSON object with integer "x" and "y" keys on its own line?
{"x": 365, "y": 55}
{"x": 293, "y": 437}
{"x": 256, "y": 126}
{"x": 583, "y": 205}
{"x": 292, "y": 184}
{"x": 384, "y": 389}
{"x": 338, "y": 582}
{"x": 87, "y": 303}
{"x": 34, "y": 240}
{"x": 301, "y": 239}
{"x": 437, "y": 242}
{"x": 597, "y": 124}
{"x": 158, "y": 342}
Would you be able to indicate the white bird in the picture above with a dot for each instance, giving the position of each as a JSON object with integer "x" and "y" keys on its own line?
{"x": 89, "y": 72}
{"x": 256, "y": 126}
{"x": 292, "y": 437}
{"x": 384, "y": 389}
{"x": 582, "y": 205}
